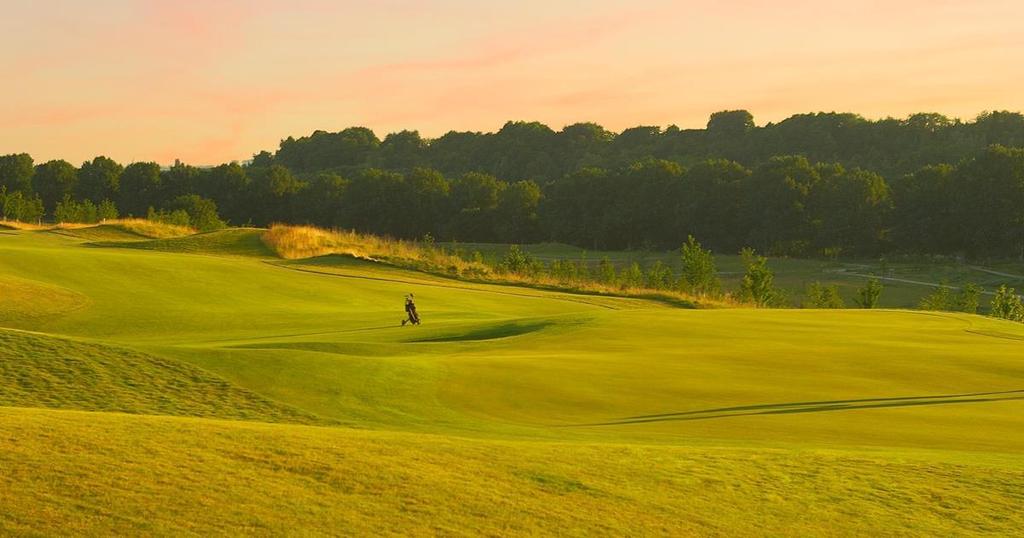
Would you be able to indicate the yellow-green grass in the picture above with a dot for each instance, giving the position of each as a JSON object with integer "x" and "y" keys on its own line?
{"x": 509, "y": 411}
{"x": 22, "y": 298}
{"x": 60, "y": 373}
{"x": 108, "y": 474}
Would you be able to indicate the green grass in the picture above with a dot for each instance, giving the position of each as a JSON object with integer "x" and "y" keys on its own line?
{"x": 509, "y": 411}
{"x": 22, "y": 298}
{"x": 234, "y": 241}
{"x": 102, "y": 474}
{"x": 43, "y": 371}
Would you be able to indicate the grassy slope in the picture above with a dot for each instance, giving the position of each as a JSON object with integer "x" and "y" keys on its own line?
{"x": 44, "y": 371}
{"x": 509, "y": 410}
{"x": 109, "y": 474}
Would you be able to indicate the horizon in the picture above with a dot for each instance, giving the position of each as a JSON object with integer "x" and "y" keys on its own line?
{"x": 557, "y": 129}
{"x": 160, "y": 81}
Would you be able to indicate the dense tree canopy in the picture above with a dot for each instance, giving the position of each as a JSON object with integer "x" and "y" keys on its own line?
{"x": 813, "y": 184}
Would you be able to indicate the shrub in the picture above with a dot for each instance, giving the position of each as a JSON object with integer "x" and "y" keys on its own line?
{"x": 519, "y": 262}
{"x": 699, "y": 274}
{"x": 178, "y": 217}
{"x": 868, "y": 296}
{"x": 606, "y": 272}
{"x": 1007, "y": 305}
{"x": 202, "y": 212}
{"x": 758, "y": 286}
{"x": 631, "y": 276}
{"x": 658, "y": 276}
{"x": 70, "y": 210}
{"x": 939, "y": 299}
{"x": 969, "y": 298}
{"x": 17, "y": 206}
{"x": 106, "y": 210}
{"x": 819, "y": 296}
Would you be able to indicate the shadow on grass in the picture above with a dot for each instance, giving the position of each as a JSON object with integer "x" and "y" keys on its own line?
{"x": 817, "y": 407}
{"x": 493, "y": 332}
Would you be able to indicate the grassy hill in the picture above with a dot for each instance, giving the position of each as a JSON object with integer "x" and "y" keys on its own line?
{"x": 201, "y": 385}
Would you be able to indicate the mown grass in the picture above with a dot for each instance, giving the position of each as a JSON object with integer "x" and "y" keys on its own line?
{"x": 22, "y": 298}
{"x": 511, "y": 410}
{"x": 74, "y": 473}
{"x": 44, "y": 371}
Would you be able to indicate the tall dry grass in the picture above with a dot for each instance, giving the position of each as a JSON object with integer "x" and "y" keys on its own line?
{"x": 18, "y": 225}
{"x": 151, "y": 228}
{"x": 143, "y": 227}
{"x": 299, "y": 242}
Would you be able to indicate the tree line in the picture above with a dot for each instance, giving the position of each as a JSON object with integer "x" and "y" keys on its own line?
{"x": 531, "y": 150}
{"x": 812, "y": 185}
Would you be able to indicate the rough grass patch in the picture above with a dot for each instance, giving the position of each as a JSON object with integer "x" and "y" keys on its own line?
{"x": 149, "y": 228}
{"x": 143, "y": 227}
{"x": 300, "y": 242}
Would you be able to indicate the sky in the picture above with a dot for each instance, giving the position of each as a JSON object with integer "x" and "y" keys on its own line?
{"x": 211, "y": 81}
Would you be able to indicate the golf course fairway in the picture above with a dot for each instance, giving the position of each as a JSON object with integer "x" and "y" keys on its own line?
{"x": 203, "y": 386}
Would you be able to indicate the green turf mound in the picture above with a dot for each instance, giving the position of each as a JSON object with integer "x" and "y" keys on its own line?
{"x": 22, "y": 299}
{"x": 233, "y": 241}
{"x": 43, "y": 371}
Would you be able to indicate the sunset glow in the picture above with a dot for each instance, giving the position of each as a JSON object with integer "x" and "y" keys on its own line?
{"x": 214, "y": 81}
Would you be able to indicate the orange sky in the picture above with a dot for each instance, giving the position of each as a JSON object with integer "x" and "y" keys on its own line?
{"x": 217, "y": 80}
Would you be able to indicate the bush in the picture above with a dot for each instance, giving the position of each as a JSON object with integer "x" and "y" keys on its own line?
{"x": 868, "y": 296}
{"x": 189, "y": 211}
{"x": 70, "y": 210}
{"x": 518, "y": 262}
{"x": 106, "y": 210}
{"x": 699, "y": 274}
{"x": 969, "y": 299}
{"x": 202, "y": 212}
{"x": 177, "y": 217}
{"x": 658, "y": 276}
{"x": 1007, "y": 305}
{"x": 16, "y": 206}
{"x": 606, "y": 272}
{"x": 819, "y": 296}
{"x": 631, "y": 276}
{"x": 940, "y": 299}
{"x": 758, "y": 284}
{"x": 943, "y": 299}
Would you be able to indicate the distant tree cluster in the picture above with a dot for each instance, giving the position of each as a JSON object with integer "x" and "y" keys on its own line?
{"x": 534, "y": 151}
{"x": 813, "y": 185}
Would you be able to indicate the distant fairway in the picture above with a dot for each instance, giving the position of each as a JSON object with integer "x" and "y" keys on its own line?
{"x": 200, "y": 385}
{"x": 905, "y": 281}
